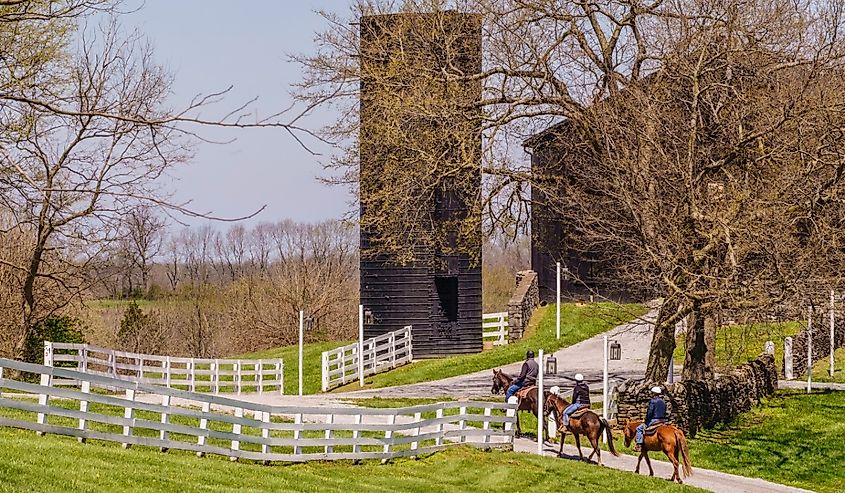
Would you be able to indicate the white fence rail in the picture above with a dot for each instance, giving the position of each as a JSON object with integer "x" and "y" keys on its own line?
{"x": 194, "y": 374}
{"x": 381, "y": 353}
{"x": 498, "y": 322}
{"x": 156, "y": 416}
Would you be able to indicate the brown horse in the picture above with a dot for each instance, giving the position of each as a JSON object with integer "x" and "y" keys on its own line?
{"x": 501, "y": 382}
{"x": 670, "y": 439}
{"x": 589, "y": 425}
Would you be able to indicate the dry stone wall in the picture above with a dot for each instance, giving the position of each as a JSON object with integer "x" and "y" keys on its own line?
{"x": 821, "y": 343}
{"x": 702, "y": 404}
{"x": 525, "y": 299}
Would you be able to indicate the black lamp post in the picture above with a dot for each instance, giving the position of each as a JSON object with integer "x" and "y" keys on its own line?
{"x": 615, "y": 351}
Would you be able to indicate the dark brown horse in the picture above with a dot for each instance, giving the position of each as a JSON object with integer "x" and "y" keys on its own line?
{"x": 589, "y": 424}
{"x": 501, "y": 382}
{"x": 670, "y": 439}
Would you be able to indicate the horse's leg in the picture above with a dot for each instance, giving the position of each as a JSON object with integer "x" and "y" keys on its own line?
{"x": 648, "y": 463}
{"x": 578, "y": 444}
{"x": 671, "y": 453}
{"x": 562, "y": 439}
{"x": 639, "y": 459}
{"x": 594, "y": 441}
{"x": 518, "y": 429}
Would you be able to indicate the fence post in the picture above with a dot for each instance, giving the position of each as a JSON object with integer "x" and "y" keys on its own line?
{"x": 388, "y": 435}
{"x": 486, "y": 426}
{"x": 238, "y": 375}
{"x": 265, "y": 433}
{"x": 201, "y": 439}
{"x": 787, "y": 359}
{"x": 216, "y": 376}
{"x": 769, "y": 348}
{"x": 439, "y": 416}
{"x": 832, "y": 333}
{"x": 44, "y": 399}
{"x": 280, "y": 376}
{"x": 328, "y": 435}
{"x": 128, "y": 413}
{"x": 297, "y": 433}
{"x": 417, "y": 419}
{"x": 361, "y": 344}
{"x": 48, "y": 353}
{"x": 140, "y": 367}
{"x": 259, "y": 376}
{"x": 392, "y": 348}
{"x": 83, "y": 353}
{"x": 356, "y": 447}
{"x": 83, "y": 408}
{"x": 301, "y": 330}
{"x": 236, "y": 430}
{"x": 511, "y": 414}
{"x": 324, "y": 371}
{"x": 410, "y": 342}
{"x": 193, "y": 376}
{"x": 810, "y": 350}
{"x": 165, "y": 420}
{"x": 113, "y": 363}
{"x": 167, "y": 372}
{"x": 540, "y": 396}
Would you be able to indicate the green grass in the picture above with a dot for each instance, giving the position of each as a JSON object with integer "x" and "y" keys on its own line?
{"x": 578, "y": 322}
{"x": 738, "y": 344}
{"x": 29, "y": 463}
{"x": 821, "y": 370}
{"x": 312, "y": 354}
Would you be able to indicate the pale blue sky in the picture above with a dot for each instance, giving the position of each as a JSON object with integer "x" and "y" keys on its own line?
{"x": 211, "y": 44}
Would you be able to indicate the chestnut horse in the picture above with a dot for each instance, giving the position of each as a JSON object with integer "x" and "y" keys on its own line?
{"x": 589, "y": 424}
{"x": 501, "y": 382}
{"x": 668, "y": 438}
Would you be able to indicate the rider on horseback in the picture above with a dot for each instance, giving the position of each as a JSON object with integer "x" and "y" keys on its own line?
{"x": 527, "y": 377}
{"x": 580, "y": 398}
{"x": 656, "y": 413}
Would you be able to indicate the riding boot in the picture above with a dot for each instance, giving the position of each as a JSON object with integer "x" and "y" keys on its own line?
{"x": 637, "y": 447}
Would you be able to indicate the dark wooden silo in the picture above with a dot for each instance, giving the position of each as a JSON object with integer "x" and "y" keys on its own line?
{"x": 438, "y": 292}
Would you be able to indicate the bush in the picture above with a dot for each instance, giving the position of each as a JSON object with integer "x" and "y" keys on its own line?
{"x": 54, "y": 329}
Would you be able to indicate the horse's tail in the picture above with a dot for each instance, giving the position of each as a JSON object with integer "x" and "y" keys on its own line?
{"x": 681, "y": 441}
{"x": 609, "y": 434}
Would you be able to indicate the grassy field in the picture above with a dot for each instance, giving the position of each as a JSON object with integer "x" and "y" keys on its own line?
{"x": 29, "y": 463}
{"x": 737, "y": 344}
{"x": 821, "y": 370}
{"x": 311, "y": 364}
{"x": 578, "y": 322}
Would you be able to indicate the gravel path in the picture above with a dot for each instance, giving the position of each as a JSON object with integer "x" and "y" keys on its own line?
{"x": 584, "y": 357}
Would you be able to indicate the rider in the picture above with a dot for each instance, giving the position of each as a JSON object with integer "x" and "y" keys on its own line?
{"x": 527, "y": 377}
{"x": 580, "y": 398}
{"x": 656, "y": 413}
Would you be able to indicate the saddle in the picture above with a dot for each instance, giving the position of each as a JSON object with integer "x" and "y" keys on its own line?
{"x": 579, "y": 413}
{"x": 651, "y": 430}
{"x": 523, "y": 392}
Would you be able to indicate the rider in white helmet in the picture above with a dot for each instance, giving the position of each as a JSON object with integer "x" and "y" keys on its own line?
{"x": 580, "y": 398}
{"x": 656, "y": 413}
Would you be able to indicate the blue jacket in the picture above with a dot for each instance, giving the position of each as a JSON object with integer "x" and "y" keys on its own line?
{"x": 656, "y": 410}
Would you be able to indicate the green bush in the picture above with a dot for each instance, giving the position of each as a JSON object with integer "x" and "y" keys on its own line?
{"x": 54, "y": 329}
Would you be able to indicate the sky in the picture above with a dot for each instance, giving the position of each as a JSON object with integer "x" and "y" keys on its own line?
{"x": 209, "y": 45}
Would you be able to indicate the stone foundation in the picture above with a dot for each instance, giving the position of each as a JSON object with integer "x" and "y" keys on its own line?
{"x": 525, "y": 299}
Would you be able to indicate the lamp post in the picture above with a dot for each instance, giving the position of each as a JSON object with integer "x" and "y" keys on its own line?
{"x": 557, "y": 306}
{"x": 612, "y": 352}
{"x": 540, "y": 418}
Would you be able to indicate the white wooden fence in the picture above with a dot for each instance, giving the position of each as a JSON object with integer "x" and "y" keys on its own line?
{"x": 155, "y": 416}
{"x": 499, "y": 323}
{"x": 194, "y": 374}
{"x": 381, "y": 353}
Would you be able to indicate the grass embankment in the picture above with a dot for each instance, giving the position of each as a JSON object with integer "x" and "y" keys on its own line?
{"x": 821, "y": 370}
{"x": 50, "y": 463}
{"x": 578, "y": 322}
{"x": 737, "y": 344}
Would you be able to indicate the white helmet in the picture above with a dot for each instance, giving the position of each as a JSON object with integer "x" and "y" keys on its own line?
{"x": 579, "y": 377}
{"x": 656, "y": 390}
{"x": 555, "y": 390}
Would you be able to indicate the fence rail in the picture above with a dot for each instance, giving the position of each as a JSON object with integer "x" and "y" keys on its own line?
{"x": 167, "y": 418}
{"x": 381, "y": 353}
{"x": 498, "y": 322}
{"x": 194, "y": 374}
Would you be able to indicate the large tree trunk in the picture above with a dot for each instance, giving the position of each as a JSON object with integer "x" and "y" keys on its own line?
{"x": 698, "y": 364}
{"x": 662, "y": 347}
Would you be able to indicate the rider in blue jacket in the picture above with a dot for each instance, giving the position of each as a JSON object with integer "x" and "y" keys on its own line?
{"x": 656, "y": 413}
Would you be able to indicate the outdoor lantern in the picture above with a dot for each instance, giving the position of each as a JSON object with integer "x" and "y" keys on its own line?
{"x": 615, "y": 351}
{"x": 551, "y": 365}
{"x": 368, "y": 317}
{"x": 309, "y": 322}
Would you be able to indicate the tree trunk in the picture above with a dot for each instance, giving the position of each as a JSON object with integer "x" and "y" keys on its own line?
{"x": 697, "y": 363}
{"x": 662, "y": 347}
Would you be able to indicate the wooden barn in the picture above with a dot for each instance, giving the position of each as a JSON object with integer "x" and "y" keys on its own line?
{"x": 438, "y": 292}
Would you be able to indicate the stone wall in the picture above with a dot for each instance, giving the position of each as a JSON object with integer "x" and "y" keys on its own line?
{"x": 525, "y": 299}
{"x": 694, "y": 405}
{"x": 821, "y": 343}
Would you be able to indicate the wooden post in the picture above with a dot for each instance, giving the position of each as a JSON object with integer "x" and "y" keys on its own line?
{"x": 165, "y": 420}
{"x": 510, "y": 413}
{"x": 301, "y": 329}
{"x": 48, "y": 353}
{"x": 392, "y": 349}
{"x": 259, "y": 376}
{"x": 265, "y": 433}
{"x": 462, "y": 424}
{"x": 439, "y": 416}
{"x": 202, "y": 439}
{"x": 417, "y": 417}
{"x": 356, "y": 433}
{"x": 540, "y": 418}
{"x": 604, "y": 387}
{"x": 216, "y": 376}
{"x": 193, "y": 376}
{"x": 410, "y": 342}
{"x": 167, "y": 372}
{"x": 297, "y": 420}
{"x": 324, "y": 371}
{"x": 280, "y": 376}
{"x": 486, "y": 426}
{"x": 832, "y": 333}
{"x": 83, "y": 408}
{"x": 238, "y": 375}
{"x": 388, "y": 434}
{"x": 361, "y": 344}
{"x": 810, "y": 350}
{"x": 140, "y": 367}
{"x": 44, "y": 399}
{"x": 329, "y": 421}
{"x": 787, "y": 359}
{"x": 236, "y": 430}
{"x": 128, "y": 413}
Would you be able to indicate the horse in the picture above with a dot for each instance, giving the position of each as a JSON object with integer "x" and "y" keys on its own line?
{"x": 668, "y": 438}
{"x": 589, "y": 424}
{"x": 501, "y": 382}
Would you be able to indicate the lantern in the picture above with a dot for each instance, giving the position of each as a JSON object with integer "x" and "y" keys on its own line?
{"x": 551, "y": 365}
{"x": 615, "y": 351}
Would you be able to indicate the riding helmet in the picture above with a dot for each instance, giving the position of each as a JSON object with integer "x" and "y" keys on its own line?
{"x": 579, "y": 377}
{"x": 656, "y": 390}
{"x": 529, "y": 354}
